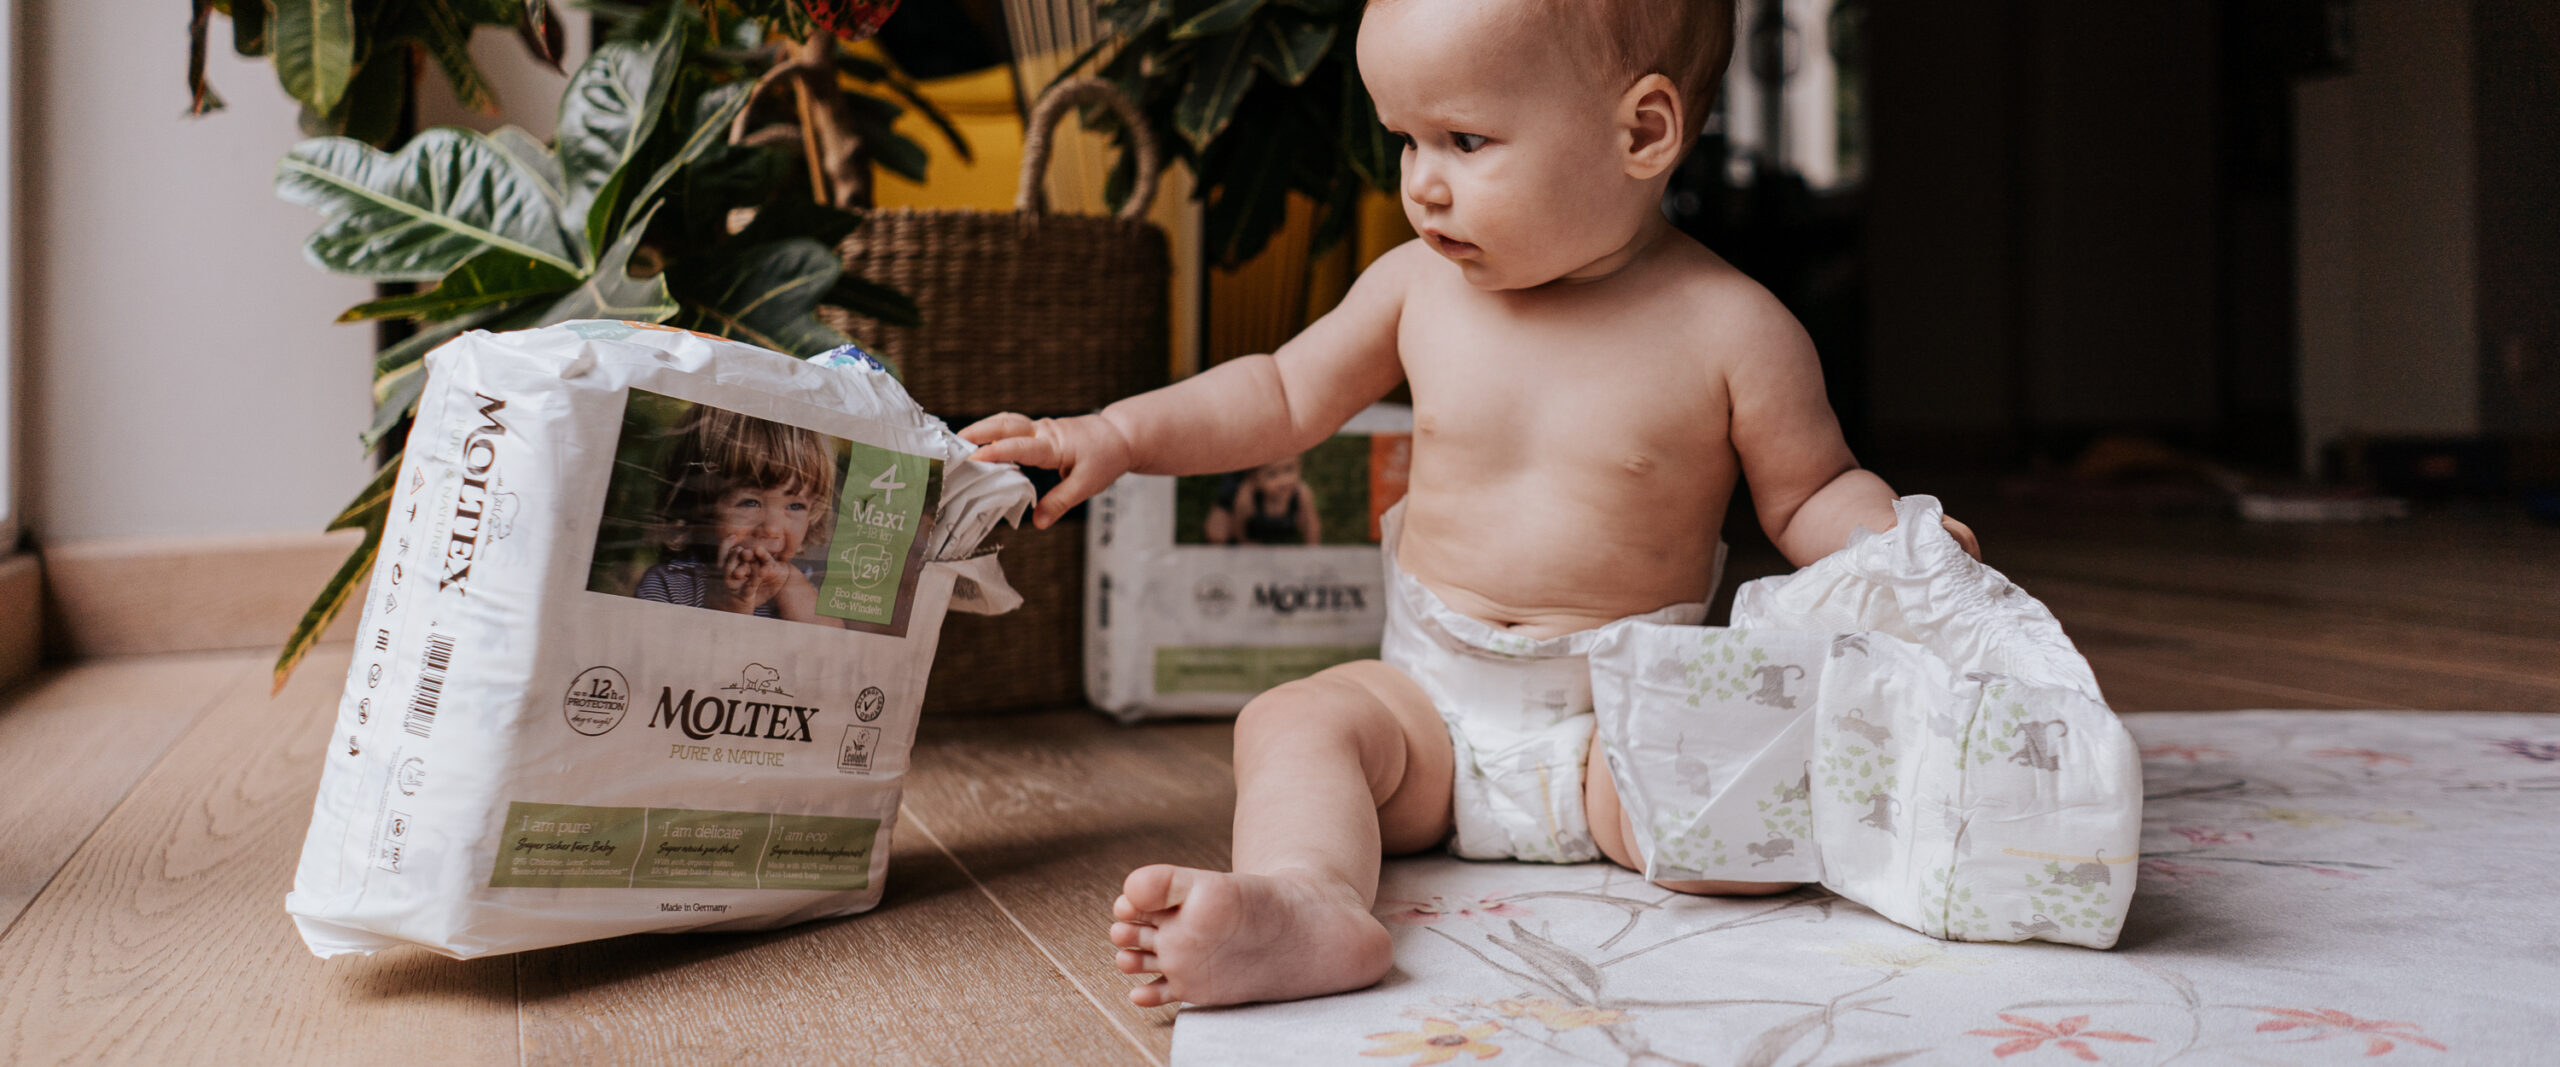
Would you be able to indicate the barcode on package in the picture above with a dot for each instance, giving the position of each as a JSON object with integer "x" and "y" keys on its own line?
{"x": 422, "y": 706}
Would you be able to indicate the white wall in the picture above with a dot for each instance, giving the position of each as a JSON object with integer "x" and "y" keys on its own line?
{"x": 2385, "y": 238}
{"x": 182, "y": 374}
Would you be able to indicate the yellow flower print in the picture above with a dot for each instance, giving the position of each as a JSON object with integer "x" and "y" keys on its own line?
{"x": 1439, "y": 1042}
{"x": 2302, "y": 818}
{"x": 1911, "y": 957}
{"x": 1558, "y": 1015}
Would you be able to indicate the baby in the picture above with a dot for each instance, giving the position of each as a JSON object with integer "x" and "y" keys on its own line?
{"x": 744, "y": 495}
{"x": 1588, "y": 383}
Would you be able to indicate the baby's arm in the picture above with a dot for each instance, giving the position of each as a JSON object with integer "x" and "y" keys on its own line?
{"x": 1241, "y": 413}
{"x": 1808, "y": 489}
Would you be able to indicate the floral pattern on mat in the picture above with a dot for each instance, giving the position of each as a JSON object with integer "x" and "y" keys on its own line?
{"x": 2315, "y": 887}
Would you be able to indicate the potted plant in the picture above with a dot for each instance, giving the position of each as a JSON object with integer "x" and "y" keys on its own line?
{"x": 654, "y": 202}
{"x": 1261, "y": 99}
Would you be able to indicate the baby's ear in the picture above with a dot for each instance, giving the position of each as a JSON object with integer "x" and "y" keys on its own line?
{"x": 1649, "y": 125}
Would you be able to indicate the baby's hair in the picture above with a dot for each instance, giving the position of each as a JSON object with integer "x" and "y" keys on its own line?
{"x": 1687, "y": 41}
{"x": 717, "y": 451}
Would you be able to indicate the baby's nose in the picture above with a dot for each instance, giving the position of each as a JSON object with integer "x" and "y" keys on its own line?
{"x": 1423, "y": 184}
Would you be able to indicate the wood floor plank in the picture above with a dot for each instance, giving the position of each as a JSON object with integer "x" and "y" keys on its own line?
{"x": 164, "y": 939}
{"x": 74, "y": 741}
{"x": 2330, "y": 674}
{"x": 1051, "y": 812}
{"x": 934, "y": 975}
{"x": 2515, "y": 657}
{"x": 2136, "y": 685}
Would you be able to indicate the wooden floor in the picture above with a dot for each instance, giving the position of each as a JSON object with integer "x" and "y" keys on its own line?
{"x": 154, "y": 808}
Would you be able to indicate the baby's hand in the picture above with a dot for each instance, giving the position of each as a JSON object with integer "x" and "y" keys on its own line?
{"x": 797, "y": 600}
{"x": 1964, "y": 537}
{"x": 1087, "y": 449}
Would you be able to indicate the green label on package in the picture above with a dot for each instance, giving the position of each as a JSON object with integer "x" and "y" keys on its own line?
{"x": 568, "y": 845}
{"x": 572, "y": 846}
{"x": 1247, "y": 668}
{"x": 880, "y": 511}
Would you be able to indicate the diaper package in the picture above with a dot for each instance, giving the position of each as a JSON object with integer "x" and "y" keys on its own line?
{"x": 644, "y": 645}
{"x": 1201, "y": 592}
{"x": 1896, "y": 721}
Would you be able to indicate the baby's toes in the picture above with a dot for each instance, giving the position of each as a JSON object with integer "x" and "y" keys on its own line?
{"x": 1132, "y": 961}
{"x": 1151, "y": 995}
{"x": 1134, "y": 935}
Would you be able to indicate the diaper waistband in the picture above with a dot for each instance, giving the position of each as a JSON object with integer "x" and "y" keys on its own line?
{"x": 1419, "y": 603}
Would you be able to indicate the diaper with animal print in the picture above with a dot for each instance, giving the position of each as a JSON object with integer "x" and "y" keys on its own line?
{"x": 1896, "y": 721}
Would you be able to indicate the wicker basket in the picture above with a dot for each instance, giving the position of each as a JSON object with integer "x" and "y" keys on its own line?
{"x": 1047, "y": 315}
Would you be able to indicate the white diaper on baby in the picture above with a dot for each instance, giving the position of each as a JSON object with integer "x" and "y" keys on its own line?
{"x": 1519, "y": 715}
{"x": 1896, "y": 721}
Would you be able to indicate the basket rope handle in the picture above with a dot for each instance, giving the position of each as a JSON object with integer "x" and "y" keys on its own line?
{"x": 1053, "y": 106}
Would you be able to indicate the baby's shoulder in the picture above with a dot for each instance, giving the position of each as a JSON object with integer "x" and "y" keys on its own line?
{"x": 1726, "y": 315}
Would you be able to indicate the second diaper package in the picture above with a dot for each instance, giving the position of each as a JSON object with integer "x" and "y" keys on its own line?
{"x": 1203, "y": 591}
{"x": 644, "y": 645}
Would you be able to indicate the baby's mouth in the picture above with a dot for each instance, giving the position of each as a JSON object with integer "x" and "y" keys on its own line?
{"x": 1450, "y": 246}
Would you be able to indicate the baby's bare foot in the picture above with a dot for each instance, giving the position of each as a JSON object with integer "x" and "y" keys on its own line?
{"x": 1238, "y": 938}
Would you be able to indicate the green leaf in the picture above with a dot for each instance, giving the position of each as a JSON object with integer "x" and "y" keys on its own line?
{"x": 1222, "y": 16}
{"x": 873, "y": 300}
{"x": 315, "y": 49}
{"x": 536, "y": 159}
{"x": 201, "y": 99}
{"x": 249, "y": 27}
{"x": 611, "y": 292}
{"x": 606, "y": 114}
{"x": 428, "y": 338}
{"x": 712, "y": 112}
{"x": 1377, "y": 158}
{"x": 933, "y": 114}
{"x": 496, "y": 276}
{"x": 332, "y": 599}
{"x": 903, "y": 157}
{"x": 446, "y": 197}
{"x": 1219, "y": 77}
{"x": 1291, "y": 48}
{"x": 766, "y": 295}
{"x": 395, "y": 396}
{"x": 446, "y": 35}
{"x": 374, "y": 501}
{"x": 370, "y": 112}
{"x": 1251, "y": 204}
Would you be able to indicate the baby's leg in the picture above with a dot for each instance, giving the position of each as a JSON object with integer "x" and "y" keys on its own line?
{"x": 1617, "y": 838}
{"x": 1331, "y": 771}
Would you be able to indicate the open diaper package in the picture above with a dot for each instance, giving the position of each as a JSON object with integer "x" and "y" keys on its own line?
{"x": 1896, "y": 721}
{"x": 644, "y": 645}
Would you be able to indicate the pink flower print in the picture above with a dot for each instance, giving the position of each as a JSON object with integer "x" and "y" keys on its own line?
{"x": 2177, "y": 873}
{"x": 2206, "y": 835}
{"x": 2189, "y": 753}
{"x": 2543, "y": 751}
{"x": 2067, "y": 1035}
{"x": 1427, "y": 912}
{"x": 2380, "y": 1036}
{"x": 2370, "y": 757}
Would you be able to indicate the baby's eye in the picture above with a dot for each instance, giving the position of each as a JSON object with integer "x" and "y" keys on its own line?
{"x": 1467, "y": 142}
{"x": 1404, "y": 139}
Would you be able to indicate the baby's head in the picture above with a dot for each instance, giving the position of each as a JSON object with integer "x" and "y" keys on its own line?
{"x": 1539, "y": 134}
{"x": 745, "y": 481}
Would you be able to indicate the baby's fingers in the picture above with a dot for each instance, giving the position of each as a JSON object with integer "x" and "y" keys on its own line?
{"x": 1079, "y": 484}
{"x": 997, "y": 427}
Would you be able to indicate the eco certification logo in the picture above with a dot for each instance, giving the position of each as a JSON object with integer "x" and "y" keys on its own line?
{"x": 597, "y": 700}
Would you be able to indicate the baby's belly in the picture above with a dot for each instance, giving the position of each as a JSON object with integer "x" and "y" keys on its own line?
{"x": 1553, "y": 559}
